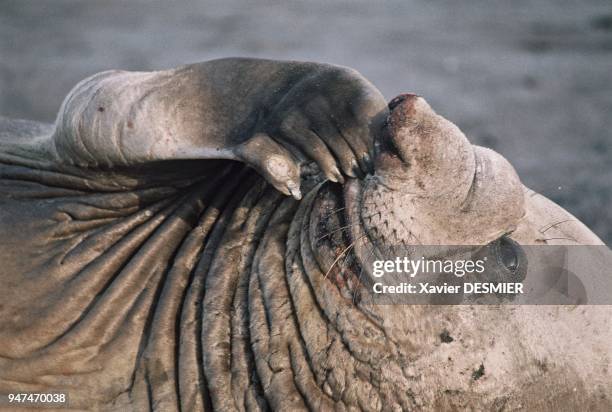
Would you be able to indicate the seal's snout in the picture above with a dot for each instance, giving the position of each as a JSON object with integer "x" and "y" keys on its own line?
{"x": 390, "y": 157}
{"x": 406, "y": 98}
{"x": 432, "y": 149}
{"x": 438, "y": 177}
{"x": 409, "y": 116}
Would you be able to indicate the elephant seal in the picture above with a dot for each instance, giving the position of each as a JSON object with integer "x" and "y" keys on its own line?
{"x": 145, "y": 266}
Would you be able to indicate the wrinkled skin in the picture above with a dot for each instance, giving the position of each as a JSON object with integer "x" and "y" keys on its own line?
{"x": 145, "y": 266}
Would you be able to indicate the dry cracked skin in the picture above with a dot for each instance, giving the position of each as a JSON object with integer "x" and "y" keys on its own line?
{"x": 152, "y": 260}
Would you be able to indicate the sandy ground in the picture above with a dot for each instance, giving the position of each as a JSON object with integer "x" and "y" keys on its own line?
{"x": 533, "y": 80}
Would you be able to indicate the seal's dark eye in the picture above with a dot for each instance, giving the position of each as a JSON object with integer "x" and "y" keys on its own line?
{"x": 508, "y": 254}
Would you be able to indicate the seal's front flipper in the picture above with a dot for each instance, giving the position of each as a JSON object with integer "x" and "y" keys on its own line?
{"x": 273, "y": 162}
{"x": 272, "y": 115}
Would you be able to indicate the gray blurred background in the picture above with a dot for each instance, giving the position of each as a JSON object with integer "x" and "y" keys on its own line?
{"x": 530, "y": 79}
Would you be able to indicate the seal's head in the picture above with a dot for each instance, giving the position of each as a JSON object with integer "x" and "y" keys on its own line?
{"x": 429, "y": 174}
{"x": 431, "y": 187}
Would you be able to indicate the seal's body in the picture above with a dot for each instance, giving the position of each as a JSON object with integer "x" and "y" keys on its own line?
{"x": 150, "y": 258}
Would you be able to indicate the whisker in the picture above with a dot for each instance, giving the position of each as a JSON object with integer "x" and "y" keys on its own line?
{"x": 561, "y": 238}
{"x": 335, "y": 231}
{"x": 548, "y": 227}
{"x": 333, "y": 212}
{"x": 346, "y": 258}
{"x": 344, "y": 227}
{"x": 349, "y": 247}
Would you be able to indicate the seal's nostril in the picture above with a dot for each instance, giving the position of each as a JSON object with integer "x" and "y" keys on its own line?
{"x": 401, "y": 98}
